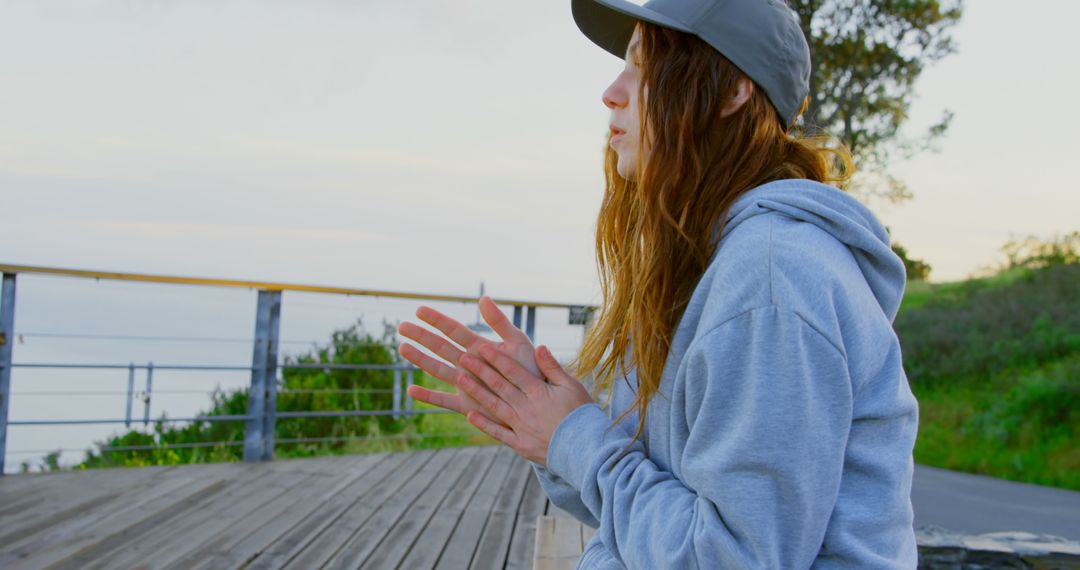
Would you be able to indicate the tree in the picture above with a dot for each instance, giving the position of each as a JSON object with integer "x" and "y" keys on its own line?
{"x": 867, "y": 55}
{"x": 1033, "y": 252}
{"x": 916, "y": 269}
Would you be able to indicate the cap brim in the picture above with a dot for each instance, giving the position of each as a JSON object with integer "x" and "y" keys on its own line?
{"x": 610, "y": 23}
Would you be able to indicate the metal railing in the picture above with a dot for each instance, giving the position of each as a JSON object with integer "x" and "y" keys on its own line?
{"x": 262, "y": 413}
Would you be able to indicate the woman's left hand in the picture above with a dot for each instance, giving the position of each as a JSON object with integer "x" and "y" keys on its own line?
{"x": 529, "y": 405}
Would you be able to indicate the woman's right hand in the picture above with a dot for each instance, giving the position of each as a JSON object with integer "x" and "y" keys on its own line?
{"x": 515, "y": 343}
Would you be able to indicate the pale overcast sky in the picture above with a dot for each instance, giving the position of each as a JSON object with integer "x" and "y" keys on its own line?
{"x": 395, "y": 144}
{"x": 422, "y": 146}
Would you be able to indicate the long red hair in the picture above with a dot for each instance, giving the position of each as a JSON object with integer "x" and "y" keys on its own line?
{"x": 654, "y": 234}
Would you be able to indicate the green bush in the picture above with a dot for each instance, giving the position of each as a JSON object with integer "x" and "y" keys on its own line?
{"x": 1022, "y": 425}
{"x": 981, "y": 328}
{"x": 298, "y": 390}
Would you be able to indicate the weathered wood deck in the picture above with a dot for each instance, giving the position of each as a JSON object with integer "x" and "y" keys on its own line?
{"x": 471, "y": 507}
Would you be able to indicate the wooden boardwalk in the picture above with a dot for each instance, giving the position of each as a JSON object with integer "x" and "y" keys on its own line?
{"x": 470, "y": 507}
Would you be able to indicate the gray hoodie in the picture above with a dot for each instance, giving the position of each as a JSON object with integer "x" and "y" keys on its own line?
{"x": 782, "y": 432}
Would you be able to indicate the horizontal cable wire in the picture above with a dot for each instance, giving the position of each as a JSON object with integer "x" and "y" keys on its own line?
{"x": 232, "y": 443}
{"x": 143, "y": 392}
{"x": 156, "y": 338}
{"x": 234, "y": 418}
{"x": 211, "y": 367}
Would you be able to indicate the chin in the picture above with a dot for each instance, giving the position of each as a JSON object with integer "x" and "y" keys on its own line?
{"x": 625, "y": 169}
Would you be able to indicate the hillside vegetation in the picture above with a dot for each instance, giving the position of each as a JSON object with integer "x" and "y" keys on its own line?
{"x": 995, "y": 365}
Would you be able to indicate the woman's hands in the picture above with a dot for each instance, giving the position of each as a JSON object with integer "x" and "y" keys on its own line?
{"x": 514, "y": 343}
{"x": 501, "y": 385}
{"x": 530, "y": 407}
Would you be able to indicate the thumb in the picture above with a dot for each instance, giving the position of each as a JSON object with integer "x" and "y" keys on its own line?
{"x": 550, "y": 367}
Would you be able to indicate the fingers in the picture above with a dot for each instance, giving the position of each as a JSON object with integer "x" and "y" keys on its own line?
{"x": 441, "y": 399}
{"x": 444, "y": 400}
{"x": 432, "y": 366}
{"x": 550, "y": 367}
{"x": 453, "y": 329}
{"x": 497, "y": 320}
{"x": 432, "y": 341}
{"x": 499, "y": 432}
{"x": 510, "y": 369}
{"x": 495, "y": 381}
{"x": 492, "y": 403}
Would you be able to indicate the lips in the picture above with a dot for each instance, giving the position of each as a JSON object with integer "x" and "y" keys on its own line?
{"x": 616, "y": 133}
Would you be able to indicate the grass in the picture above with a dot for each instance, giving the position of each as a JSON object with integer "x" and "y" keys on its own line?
{"x": 918, "y": 293}
{"x": 995, "y": 366}
{"x": 1019, "y": 426}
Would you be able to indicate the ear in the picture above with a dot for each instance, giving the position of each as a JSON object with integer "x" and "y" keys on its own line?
{"x": 744, "y": 87}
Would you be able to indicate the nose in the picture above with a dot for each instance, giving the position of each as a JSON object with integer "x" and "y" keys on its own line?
{"x": 615, "y": 96}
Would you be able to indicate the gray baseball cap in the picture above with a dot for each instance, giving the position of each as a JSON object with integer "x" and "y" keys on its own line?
{"x": 761, "y": 37}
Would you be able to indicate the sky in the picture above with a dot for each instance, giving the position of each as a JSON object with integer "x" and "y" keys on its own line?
{"x": 422, "y": 146}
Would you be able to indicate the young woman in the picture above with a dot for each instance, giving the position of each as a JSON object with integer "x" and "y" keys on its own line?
{"x": 758, "y": 414}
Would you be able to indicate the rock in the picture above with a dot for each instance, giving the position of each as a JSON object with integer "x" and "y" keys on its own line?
{"x": 941, "y": 549}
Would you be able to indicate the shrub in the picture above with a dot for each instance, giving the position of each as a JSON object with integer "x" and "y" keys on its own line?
{"x": 979, "y": 330}
{"x": 304, "y": 389}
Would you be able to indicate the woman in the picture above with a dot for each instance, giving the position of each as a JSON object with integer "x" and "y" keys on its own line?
{"x": 759, "y": 414}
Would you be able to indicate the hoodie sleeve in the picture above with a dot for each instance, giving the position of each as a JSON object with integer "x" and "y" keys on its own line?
{"x": 767, "y": 408}
{"x": 563, "y": 495}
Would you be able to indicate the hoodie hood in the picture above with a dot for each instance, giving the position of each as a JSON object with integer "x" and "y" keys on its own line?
{"x": 843, "y": 217}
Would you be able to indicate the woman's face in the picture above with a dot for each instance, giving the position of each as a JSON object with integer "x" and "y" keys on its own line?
{"x": 622, "y": 98}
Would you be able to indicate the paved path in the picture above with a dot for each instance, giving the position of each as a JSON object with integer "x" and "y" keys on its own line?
{"x": 977, "y": 504}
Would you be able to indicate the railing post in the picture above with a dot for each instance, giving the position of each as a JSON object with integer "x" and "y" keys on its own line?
{"x": 262, "y": 393}
{"x": 130, "y": 394}
{"x": 530, "y": 324}
{"x": 517, "y": 316}
{"x": 410, "y": 379}
{"x": 270, "y": 415}
{"x": 149, "y": 391}
{"x": 397, "y": 393}
{"x": 7, "y": 346}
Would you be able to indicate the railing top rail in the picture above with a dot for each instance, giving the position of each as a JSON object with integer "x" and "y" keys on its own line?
{"x": 268, "y": 285}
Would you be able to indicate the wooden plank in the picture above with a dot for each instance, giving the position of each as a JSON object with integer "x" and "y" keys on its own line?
{"x": 429, "y": 545}
{"x": 568, "y": 538}
{"x": 237, "y": 544}
{"x": 376, "y": 483}
{"x": 319, "y": 553}
{"x": 188, "y": 531}
{"x": 459, "y": 550}
{"x": 70, "y": 536}
{"x": 69, "y": 529}
{"x": 401, "y": 537}
{"x": 368, "y": 536}
{"x": 545, "y": 546}
{"x": 39, "y": 486}
{"x": 129, "y": 524}
{"x": 558, "y": 543}
{"x": 491, "y": 554}
{"x": 586, "y": 535}
{"x": 555, "y": 511}
{"x": 278, "y": 489}
{"x": 65, "y": 497}
{"x": 136, "y": 546}
{"x": 524, "y": 539}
